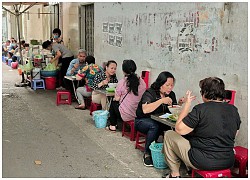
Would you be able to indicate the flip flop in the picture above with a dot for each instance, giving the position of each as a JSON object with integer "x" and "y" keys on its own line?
{"x": 111, "y": 130}
{"x": 80, "y": 108}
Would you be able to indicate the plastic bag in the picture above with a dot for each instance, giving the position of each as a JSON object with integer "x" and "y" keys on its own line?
{"x": 50, "y": 67}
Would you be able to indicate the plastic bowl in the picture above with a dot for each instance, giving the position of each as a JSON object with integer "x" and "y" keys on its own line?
{"x": 112, "y": 85}
{"x": 175, "y": 109}
{"x": 49, "y": 73}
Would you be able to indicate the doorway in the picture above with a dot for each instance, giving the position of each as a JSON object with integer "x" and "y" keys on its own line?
{"x": 86, "y": 21}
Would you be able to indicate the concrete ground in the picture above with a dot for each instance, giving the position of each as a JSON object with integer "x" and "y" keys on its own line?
{"x": 63, "y": 139}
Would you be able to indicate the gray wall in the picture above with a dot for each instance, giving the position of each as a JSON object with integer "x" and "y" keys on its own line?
{"x": 191, "y": 40}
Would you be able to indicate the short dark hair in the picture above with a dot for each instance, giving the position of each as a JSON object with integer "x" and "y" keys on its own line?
{"x": 26, "y": 45}
{"x": 14, "y": 58}
{"x": 212, "y": 88}
{"x": 10, "y": 53}
{"x": 23, "y": 42}
{"x": 90, "y": 60}
{"x": 46, "y": 44}
{"x": 57, "y": 31}
{"x": 161, "y": 79}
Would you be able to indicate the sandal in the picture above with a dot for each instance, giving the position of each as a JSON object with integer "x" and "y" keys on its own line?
{"x": 111, "y": 130}
{"x": 80, "y": 108}
{"x": 170, "y": 176}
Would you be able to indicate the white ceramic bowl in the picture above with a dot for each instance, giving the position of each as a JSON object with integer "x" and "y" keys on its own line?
{"x": 175, "y": 109}
{"x": 112, "y": 85}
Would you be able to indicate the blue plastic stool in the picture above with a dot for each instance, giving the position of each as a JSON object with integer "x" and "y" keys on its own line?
{"x": 9, "y": 62}
{"x": 3, "y": 59}
{"x": 38, "y": 84}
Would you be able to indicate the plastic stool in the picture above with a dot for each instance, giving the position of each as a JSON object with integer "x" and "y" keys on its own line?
{"x": 145, "y": 77}
{"x": 9, "y": 62}
{"x": 230, "y": 96}
{"x": 138, "y": 142}
{"x": 213, "y": 174}
{"x": 59, "y": 99}
{"x": 14, "y": 65}
{"x": 94, "y": 107}
{"x": 131, "y": 133}
{"x": 87, "y": 101}
{"x": 38, "y": 84}
{"x": 241, "y": 158}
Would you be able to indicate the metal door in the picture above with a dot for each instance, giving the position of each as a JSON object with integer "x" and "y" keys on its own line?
{"x": 86, "y": 21}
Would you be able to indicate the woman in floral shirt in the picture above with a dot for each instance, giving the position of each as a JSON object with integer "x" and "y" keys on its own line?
{"x": 88, "y": 72}
{"x": 101, "y": 81}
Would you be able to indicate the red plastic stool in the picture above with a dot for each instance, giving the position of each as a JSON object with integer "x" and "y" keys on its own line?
{"x": 131, "y": 133}
{"x": 241, "y": 158}
{"x": 138, "y": 142}
{"x": 230, "y": 96}
{"x": 213, "y": 174}
{"x": 145, "y": 77}
{"x": 94, "y": 107}
{"x": 87, "y": 101}
{"x": 59, "y": 99}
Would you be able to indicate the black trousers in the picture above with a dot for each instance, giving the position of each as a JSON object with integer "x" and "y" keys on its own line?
{"x": 65, "y": 64}
{"x": 114, "y": 113}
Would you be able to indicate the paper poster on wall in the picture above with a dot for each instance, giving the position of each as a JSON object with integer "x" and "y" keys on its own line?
{"x": 111, "y": 28}
{"x": 119, "y": 41}
{"x": 105, "y": 27}
{"x": 118, "y": 28}
{"x": 111, "y": 40}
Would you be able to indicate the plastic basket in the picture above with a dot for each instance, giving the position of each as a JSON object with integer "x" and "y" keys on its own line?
{"x": 100, "y": 117}
{"x": 157, "y": 155}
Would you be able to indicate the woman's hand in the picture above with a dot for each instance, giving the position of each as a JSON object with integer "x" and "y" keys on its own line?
{"x": 189, "y": 96}
{"x": 166, "y": 100}
{"x": 52, "y": 60}
{"x": 105, "y": 82}
{"x": 181, "y": 101}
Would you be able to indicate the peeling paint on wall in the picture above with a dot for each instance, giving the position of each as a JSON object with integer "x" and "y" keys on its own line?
{"x": 182, "y": 32}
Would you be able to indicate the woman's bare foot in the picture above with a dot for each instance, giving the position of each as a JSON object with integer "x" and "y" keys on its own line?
{"x": 82, "y": 107}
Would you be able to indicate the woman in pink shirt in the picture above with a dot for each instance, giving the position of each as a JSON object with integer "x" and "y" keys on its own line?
{"x": 128, "y": 93}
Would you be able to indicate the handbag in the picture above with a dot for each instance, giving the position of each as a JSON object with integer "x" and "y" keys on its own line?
{"x": 117, "y": 103}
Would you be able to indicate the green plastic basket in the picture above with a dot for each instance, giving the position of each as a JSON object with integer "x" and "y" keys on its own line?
{"x": 157, "y": 155}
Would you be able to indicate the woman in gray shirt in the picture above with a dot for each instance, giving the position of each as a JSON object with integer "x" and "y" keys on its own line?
{"x": 60, "y": 51}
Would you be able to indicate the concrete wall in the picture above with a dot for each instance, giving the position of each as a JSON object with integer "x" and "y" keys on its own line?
{"x": 34, "y": 25}
{"x": 70, "y": 23}
{"x": 191, "y": 40}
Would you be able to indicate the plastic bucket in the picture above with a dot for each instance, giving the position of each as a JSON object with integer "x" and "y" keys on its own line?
{"x": 157, "y": 155}
{"x": 50, "y": 83}
{"x": 100, "y": 117}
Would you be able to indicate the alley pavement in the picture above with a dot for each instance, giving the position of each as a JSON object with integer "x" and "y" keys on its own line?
{"x": 42, "y": 140}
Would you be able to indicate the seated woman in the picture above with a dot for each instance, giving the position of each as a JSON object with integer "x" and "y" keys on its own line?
{"x": 101, "y": 81}
{"x": 155, "y": 100}
{"x": 128, "y": 93}
{"x": 88, "y": 72}
{"x": 210, "y": 130}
